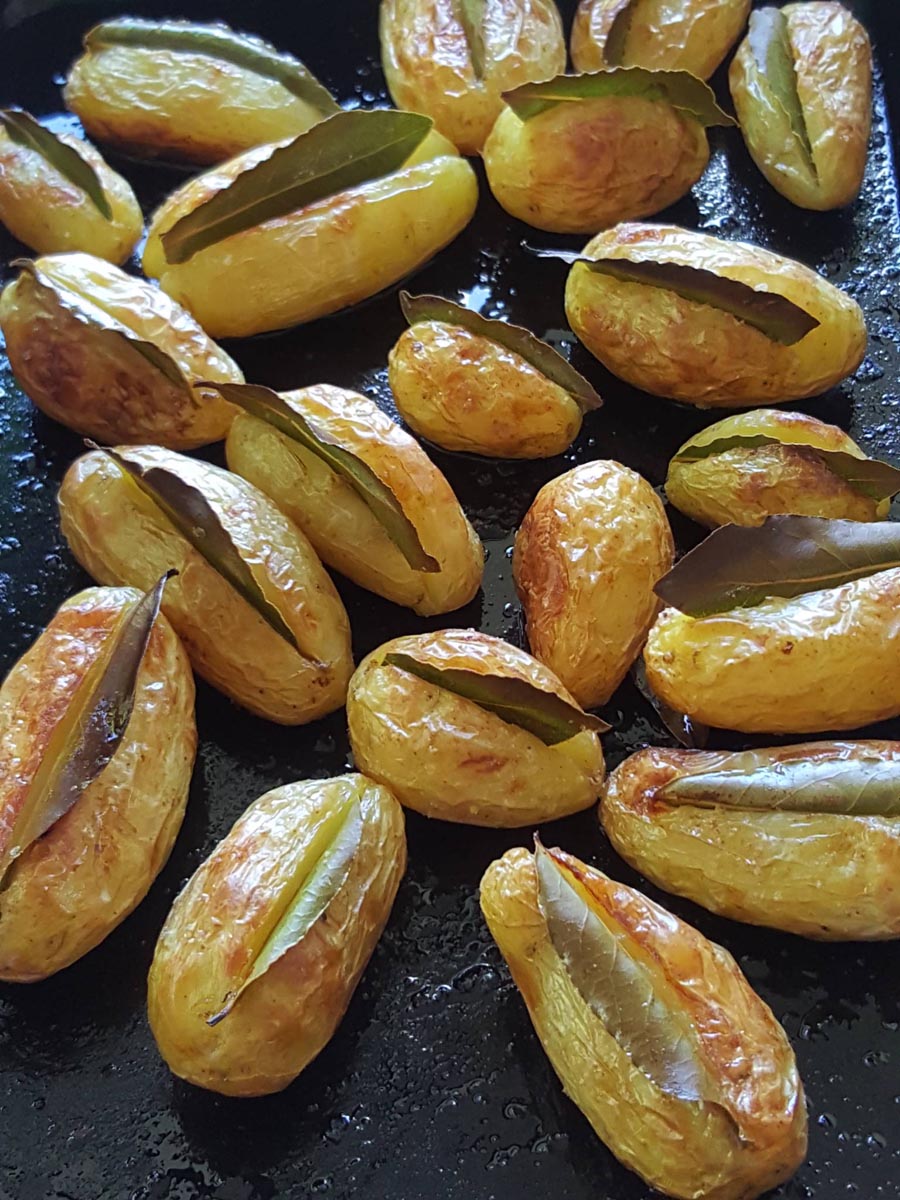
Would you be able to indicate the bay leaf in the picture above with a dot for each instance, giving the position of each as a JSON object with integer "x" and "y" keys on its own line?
{"x": 515, "y": 701}
{"x": 521, "y": 341}
{"x": 280, "y": 413}
{"x": 621, "y": 18}
{"x": 686, "y": 731}
{"x": 471, "y": 17}
{"x": 770, "y": 44}
{"x": 341, "y": 152}
{"x": 24, "y": 130}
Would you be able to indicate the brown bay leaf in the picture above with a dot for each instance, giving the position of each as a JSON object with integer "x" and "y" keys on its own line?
{"x": 471, "y": 17}
{"x": 686, "y": 731}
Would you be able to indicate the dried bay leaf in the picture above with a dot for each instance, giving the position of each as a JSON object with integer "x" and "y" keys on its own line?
{"x": 686, "y": 731}
{"x": 471, "y": 16}
{"x": 770, "y": 43}
{"x": 24, "y": 130}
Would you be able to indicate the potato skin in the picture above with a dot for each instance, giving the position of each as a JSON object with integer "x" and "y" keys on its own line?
{"x": 446, "y": 757}
{"x": 577, "y": 168}
{"x": 833, "y": 62}
{"x": 428, "y": 68}
{"x": 342, "y": 530}
{"x": 683, "y": 350}
{"x": 118, "y": 536}
{"x": 320, "y": 258}
{"x": 765, "y": 868}
{"x": 684, "y": 1149}
{"x": 41, "y": 208}
{"x": 287, "y": 1016}
{"x": 743, "y": 486}
{"x": 688, "y": 35}
{"x": 587, "y": 556}
{"x": 79, "y": 375}
{"x": 72, "y": 886}
{"x": 466, "y": 392}
{"x": 826, "y": 660}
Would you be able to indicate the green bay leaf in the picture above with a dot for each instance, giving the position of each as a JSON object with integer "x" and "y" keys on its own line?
{"x": 24, "y": 130}
{"x": 471, "y": 17}
{"x": 770, "y": 43}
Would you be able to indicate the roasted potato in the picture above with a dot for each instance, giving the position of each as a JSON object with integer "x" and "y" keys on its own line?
{"x": 653, "y": 1031}
{"x": 587, "y": 556}
{"x": 745, "y": 484}
{"x": 447, "y": 756}
{"x": 807, "y": 129}
{"x": 763, "y": 865}
{"x": 195, "y": 92}
{"x": 262, "y": 951}
{"x": 687, "y": 35}
{"x": 70, "y": 887}
{"x": 688, "y": 350}
{"x": 120, "y": 535}
{"x": 112, "y": 356}
{"x": 430, "y": 67}
{"x": 343, "y": 529}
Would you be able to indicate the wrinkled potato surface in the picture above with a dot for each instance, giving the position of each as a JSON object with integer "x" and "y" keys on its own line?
{"x": 693, "y": 1150}
{"x": 341, "y": 527}
{"x": 71, "y": 887}
{"x": 428, "y": 65}
{"x": 587, "y": 556}
{"x": 120, "y": 536}
{"x": 684, "y": 350}
{"x": 227, "y": 911}
{"x": 447, "y": 757}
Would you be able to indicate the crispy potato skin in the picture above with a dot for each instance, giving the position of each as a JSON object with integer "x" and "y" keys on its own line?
{"x": 678, "y": 348}
{"x": 447, "y": 757}
{"x": 687, "y": 35}
{"x": 118, "y": 536}
{"x": 320, "y": 258}
{"x": 465, "y": 392}
{"x": 684, "y": 1149}
{"x": 72, "y": 886}
{"x": 587, "y": 556}
{"x": 827, "y": 660}
{"x": 171, "y": 104}
{"x": 80, "y": 375}
{"x": 744, "y": 486}
{"x": 41, "y": 208}
{"x": 833, "y": 61}
{"x": 342, "y": 529}
{"x": 765, "y": 868}
{"x": 576, "y": 168}
{"x": 428, "y": 67}
{"x": 289, "y": 1014}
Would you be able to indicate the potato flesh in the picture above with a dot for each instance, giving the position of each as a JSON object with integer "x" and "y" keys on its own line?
{"x": 341, "y": 527}
{"x": 684, "y": 350}
{"x": 287, "y": 1015}
{"x": 447, "y": 757}
{"x": 683, "y": 1149}
{"x": 69, "y": 889}
{"x": 587, "y": 557}
{"x": 465, "y": 392}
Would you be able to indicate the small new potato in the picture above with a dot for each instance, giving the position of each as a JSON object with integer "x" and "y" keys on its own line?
{"x": 446, "y": 756}
{"x": 233, "y": 904}
{"x": 685, "y": 350}
{"x": 341, "y": 527}
{"x": 429, "y": 69}
{"x": 76, "y": 330}
{"x": 71, "y": 887}
{"x": 744, "y": 485}
{"x": 587, "y": 556}
{"x": 120, "y": 536}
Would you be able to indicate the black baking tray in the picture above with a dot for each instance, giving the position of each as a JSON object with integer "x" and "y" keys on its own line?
{"x": 434, "y": 1085}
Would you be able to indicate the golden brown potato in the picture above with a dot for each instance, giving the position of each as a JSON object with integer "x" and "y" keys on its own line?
{"x": 686, "y": 350}
{"x": 817, "y": 160}
{"x": 120, "y": 536}
{"x": 747, "y": 1131}
{"x": 70, "y": 888}
{"x": 587, "y": 556}
{"x": 687, "y": 35}
{"x": 77, "y": 332}
{"x": 763, "y": 867}
{"x": 429, "y": 69}
{"x": 234, "y": 918}
{"x": 343, "y": 530}
{"x": 448, "y": 757}
{"x": 744, "y": 485}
